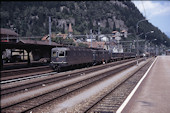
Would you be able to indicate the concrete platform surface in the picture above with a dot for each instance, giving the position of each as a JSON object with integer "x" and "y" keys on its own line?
{"x": 153, "y": 94}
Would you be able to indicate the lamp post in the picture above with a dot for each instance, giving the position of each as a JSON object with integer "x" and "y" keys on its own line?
{"x": 138, "y": 39}
{"x": 145, "y": 41}
{"x": 130, "y": 47}
{"x": 156, "y": 52}
{"x": 150, "y": 44}
{"x": 164, "y": 47}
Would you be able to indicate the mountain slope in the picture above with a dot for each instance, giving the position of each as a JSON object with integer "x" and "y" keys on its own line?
{"x": 31, "y": 18}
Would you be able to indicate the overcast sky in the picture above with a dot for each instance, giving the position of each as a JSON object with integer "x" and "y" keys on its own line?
{"x": 158, "y": 13}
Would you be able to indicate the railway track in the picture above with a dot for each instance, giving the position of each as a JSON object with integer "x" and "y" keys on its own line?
{"x": 23, "y": 64}
{"x": 53, "y": 79}
{"x": 24, "y": 72}
{"x": 111, "y": 99}
{"x": 36, "y": 101}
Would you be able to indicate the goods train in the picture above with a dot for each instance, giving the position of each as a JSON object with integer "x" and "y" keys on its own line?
{"x": 71, "y": 56}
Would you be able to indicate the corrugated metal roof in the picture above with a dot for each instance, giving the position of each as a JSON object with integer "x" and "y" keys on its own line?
{"x": 10, "y": 32}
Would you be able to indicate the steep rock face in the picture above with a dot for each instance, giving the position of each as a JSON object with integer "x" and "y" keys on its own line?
{"x": 83, "y": 12}
{"x": 111, "y": 22}
{"x": 120, "y": 24}
{"x": 63, "y": 23}
{"x": 103, "y": 23}
{"x": 31, "y": 18}
{"x": 119, "y": 4}
{"x": 83, "y": 16}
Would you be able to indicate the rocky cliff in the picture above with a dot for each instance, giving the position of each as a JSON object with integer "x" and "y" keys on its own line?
{"x": 31, "y": 18}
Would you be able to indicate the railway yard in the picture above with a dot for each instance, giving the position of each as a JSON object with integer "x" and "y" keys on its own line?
{"x": 100, "y": 88}
{"x": 84, "y": 57}
{"x": 75, "y": 80}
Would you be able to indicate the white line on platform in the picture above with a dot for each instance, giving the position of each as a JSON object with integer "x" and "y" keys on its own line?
{"x": 134, "y": 90}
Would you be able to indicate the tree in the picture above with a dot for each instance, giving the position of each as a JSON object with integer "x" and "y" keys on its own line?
{"x": 58, "y": 40}
{"x": 82, "y": 45}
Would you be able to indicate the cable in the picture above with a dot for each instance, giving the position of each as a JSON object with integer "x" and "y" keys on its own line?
{"x": 144, "y": 9}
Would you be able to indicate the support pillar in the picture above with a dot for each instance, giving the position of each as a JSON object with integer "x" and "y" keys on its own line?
{"x": 28, "y": 56}
{"x": 11, "y": 56}
{"x": 23, "y": 54}
{"x": 2, "y": 64}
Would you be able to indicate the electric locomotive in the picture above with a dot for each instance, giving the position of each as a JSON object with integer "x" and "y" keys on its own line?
{"x": 75, "y": 56}
{"x": 70, "y": 56}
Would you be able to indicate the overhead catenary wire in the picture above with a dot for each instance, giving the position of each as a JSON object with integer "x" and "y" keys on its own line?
{"x": 144, "y": 9}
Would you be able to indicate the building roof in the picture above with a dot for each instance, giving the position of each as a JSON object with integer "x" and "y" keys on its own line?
{"x": 168, "y": 50}
{"x": 8, "y": 32}
{"x": 38, "y": 42}
{"x": 123, "y": 31}
{"x": 95, "y": 44}
{"x": 46, "y": 37}
{"x": 27, "y": 45}
{"x": 114, "y": 36}
{"x": 114, "y": 31}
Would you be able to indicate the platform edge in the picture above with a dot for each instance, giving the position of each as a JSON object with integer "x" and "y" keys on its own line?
{"x": 134, "y": 90}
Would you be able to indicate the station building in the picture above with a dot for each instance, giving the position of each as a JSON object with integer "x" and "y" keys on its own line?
{"x": 28, "y": 50}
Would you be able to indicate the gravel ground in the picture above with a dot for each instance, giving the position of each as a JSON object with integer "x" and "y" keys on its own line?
{"x": 12, "y": 99}
{"x": 76, "y": 102}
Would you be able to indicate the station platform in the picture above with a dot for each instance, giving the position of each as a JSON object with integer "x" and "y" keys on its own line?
{"x": 152, "y": 93}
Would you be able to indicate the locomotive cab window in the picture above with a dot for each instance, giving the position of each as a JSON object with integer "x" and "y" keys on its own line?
{"x": 54, "y": 54}
{"x": 61, "y": 54}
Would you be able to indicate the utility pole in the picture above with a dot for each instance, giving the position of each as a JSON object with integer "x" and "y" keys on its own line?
{"x": 149, "y": 49}
{"x": 49, "y": 30}
{"x": 156, "y": 50}
{"x": 99, "y": 29}
{"x": 153, "y": 46}
{"x": 145, "y": 41}
{"x": 118, "y": 46}
{"x": 91, "y": 37}
{"x": 146, "y": 37}
{"x": 130, "y": 47}
{"x": 137, "y": 46}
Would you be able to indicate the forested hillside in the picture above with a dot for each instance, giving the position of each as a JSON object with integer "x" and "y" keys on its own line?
{"x": 31, "y": 18}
